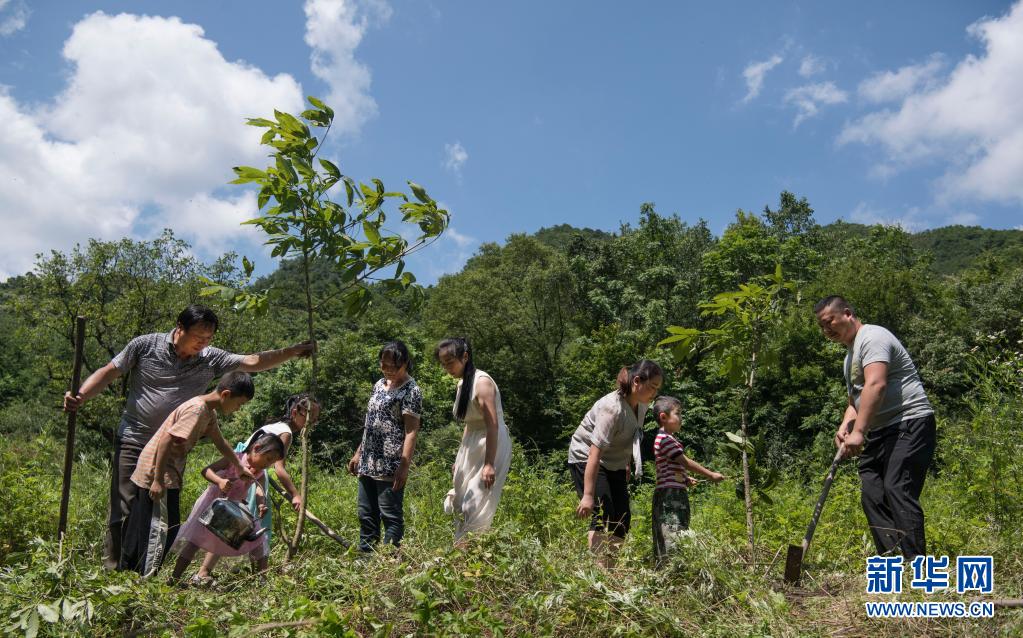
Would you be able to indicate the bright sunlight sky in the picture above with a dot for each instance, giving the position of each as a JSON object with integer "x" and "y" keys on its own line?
{"x": 121, "y": 118}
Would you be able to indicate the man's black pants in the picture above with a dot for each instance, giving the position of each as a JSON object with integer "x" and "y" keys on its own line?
{"x": 892, "y": 467}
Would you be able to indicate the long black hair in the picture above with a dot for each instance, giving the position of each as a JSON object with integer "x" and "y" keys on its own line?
{"x": 458, "y": 347}
{"x": 292, "y": 402}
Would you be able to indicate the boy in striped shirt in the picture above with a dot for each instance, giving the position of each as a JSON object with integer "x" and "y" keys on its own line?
{"x": 671, "y": 498}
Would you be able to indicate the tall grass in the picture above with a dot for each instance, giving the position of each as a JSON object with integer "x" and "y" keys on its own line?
{"x": 530, "y": 576}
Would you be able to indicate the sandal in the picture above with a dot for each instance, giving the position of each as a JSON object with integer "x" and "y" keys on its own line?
{"x": 201, "y": 582}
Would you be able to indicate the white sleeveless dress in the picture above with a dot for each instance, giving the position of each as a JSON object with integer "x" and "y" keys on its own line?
{"x": 472, "y": 503}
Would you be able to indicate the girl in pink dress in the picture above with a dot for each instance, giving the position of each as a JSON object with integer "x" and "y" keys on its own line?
{"x": 261, "y": 453}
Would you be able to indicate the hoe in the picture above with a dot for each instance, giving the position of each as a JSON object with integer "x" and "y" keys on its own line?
{"x": 794, "y": 558}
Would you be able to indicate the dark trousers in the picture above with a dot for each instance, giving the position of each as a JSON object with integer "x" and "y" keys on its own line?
{"x": 143, "y": 544}
{"x": 612, "y": 513}
{"x": 122, "y": 491}
{"x": 892, "y": 468}
{"x": 378, "y": 501}
{"x": 669, "y": 516}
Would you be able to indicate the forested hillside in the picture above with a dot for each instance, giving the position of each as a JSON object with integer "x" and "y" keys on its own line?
{"x": 552, "y": 317}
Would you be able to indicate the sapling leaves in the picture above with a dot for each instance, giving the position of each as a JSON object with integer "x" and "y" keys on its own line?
{"x": 302, "y": 219}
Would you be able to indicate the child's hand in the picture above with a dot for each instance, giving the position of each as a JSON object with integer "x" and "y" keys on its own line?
{"x": 261, "y": 510}
{"x": 690, "y": 481}
{"x": 225, "y": 484}
{"x": 155, "y": 490}
{"x": 296, "y": 502}
{"x": 246, "y": 473}
{"x": 716, "y": 477}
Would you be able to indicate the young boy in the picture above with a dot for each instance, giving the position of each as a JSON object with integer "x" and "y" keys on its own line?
{"x": 154, "y": 516}
{"x": 671, "y": 498}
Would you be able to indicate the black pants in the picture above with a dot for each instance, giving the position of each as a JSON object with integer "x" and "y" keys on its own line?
{"x": 379, "y": 502}
{"x": 892, "y": 467}
{"x": 612, "y": 513}
{"x": 122, "y": 491}
{"x": 143, "y": 545}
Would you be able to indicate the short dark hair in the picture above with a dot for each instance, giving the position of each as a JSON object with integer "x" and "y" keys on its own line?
{"x": 663, "y": 405}
{"x": 837, "y": 301}
{"x": 396, "y": 352}
{"x": 196, "y": 314}
{"x": 238, "y": 384}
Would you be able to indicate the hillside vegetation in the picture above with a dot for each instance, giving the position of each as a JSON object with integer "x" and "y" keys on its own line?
{"x": 552, "y": 317}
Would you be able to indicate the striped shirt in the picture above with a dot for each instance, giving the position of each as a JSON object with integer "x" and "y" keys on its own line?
{"x": 191, "y": 421}
{"x": 668, "y": 454}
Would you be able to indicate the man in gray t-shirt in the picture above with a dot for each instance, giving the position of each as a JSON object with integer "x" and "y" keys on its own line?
{"x": 166, "y": 369}
{"x": 888, "y": 421}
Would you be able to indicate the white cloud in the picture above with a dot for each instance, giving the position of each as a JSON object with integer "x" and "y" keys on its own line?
{"x": 121, "y": 139}
{"x": 891, "y": 86}
{"x": 808, "y": 98}
{"x": 455, "y": 157}
{"x": 963, "y": 219}
{"x": 460, "y": 240}
{"x": 334, "y": 29}
{"x": 220, "y": 218}
{"x": 910, "y": 221}
{"x": 971, "y": 121}
{"x": 754, "y": 75}
{"x": 13, "y": 16}
{"x": 445, "y": 255}
{"x": 811, "y": 65}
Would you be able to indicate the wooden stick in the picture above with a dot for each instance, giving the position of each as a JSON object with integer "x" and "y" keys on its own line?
{"x": 72, "y": 420}
{"x": 1005, "y": 603}
{"x": 312, "y": 519}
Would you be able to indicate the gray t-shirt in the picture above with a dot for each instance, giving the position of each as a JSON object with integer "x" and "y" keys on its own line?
{"x": 904, "y": 397}
{"x": 160, "y": 381}
{"x": 613, "y": 427}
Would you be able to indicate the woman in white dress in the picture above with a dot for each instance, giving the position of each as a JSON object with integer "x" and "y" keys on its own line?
{"x": 484, "y": 456}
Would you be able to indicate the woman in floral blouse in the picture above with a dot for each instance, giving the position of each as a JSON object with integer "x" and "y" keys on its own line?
{"x": 388, "y": 440}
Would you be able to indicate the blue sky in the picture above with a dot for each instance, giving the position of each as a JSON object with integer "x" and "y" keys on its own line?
{"x": 124, "y": 117}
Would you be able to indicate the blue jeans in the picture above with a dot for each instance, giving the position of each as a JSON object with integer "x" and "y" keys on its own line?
{"x": 379, "y": 502}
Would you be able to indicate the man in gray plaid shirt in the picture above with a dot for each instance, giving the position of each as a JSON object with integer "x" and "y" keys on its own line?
{"x": 166, "y": 370}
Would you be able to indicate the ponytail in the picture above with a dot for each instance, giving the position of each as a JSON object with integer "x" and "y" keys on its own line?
{"x": 644, "y": 370}
{"x": 304, "y": 400}
{"x": 459, "y": 347}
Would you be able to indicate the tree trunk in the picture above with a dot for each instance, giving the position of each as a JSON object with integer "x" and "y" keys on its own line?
{"x": 304, "y": 484}
{"x": 747, "y": 488}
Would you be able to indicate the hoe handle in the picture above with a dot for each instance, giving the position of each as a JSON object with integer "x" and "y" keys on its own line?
{"x": 824, "y": 493}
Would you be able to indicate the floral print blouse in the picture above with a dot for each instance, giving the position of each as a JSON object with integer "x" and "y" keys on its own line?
{"x": 384, "y": 432}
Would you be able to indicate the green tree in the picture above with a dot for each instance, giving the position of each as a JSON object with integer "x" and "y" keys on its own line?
{"x": 740, "y": 346}
{"x": 125, "y": 288}
{"x": 300, "y": 218}
{"x": 515, "y": 304}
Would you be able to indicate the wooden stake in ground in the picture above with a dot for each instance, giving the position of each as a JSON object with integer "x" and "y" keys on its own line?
{"x": 72, "y": 416}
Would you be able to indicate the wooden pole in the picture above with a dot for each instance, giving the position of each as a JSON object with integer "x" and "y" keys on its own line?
{"x": 69, "y": 445}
